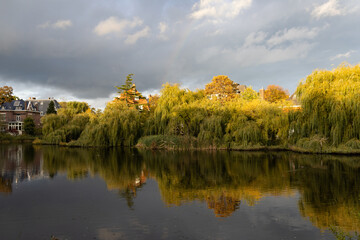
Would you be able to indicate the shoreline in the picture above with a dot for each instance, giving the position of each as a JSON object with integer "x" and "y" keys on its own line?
{"x": 186, "y": 144}
{"x": 278, "y": 148}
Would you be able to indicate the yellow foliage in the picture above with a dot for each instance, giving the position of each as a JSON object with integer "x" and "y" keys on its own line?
{"x": 221, "y": 87}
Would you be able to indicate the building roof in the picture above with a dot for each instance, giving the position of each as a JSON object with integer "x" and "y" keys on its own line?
{"x": 43, "y": 104}
{"x": 17, "y": 105}
{"x": 294, "y": 99}
{"x": 39, "y": 105}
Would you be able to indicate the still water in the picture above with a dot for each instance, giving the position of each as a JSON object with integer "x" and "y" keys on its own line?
{"x": 127, "y": 194}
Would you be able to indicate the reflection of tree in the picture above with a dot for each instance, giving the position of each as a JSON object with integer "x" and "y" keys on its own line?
{"x": 221, "y": 179}
{"x": 5, "y": 185}
{"x": 329, "y": 186}
{"x": 18, "y": 163}
{"x": 223, "y": 206}
{"x": 121, "y": 169}
{"x": 330, "y": 193}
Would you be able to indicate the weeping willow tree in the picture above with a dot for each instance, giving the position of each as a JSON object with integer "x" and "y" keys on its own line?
{"x": 117, "y": 126}
{"x": 165, "y": 118}
{"x": 330, "y": 107}
{"x": 238, "y": 122}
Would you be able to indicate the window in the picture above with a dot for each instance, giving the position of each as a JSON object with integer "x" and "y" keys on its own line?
{"x": 41, "y": 113}
{"x": 18, "y": 118}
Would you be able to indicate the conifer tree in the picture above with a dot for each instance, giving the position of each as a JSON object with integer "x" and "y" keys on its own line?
{"x": 51, "y": 108}
{"x": 127, "y": 91}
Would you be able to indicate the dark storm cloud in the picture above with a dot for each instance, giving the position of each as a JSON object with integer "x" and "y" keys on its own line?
{"x": 84, "y": 48}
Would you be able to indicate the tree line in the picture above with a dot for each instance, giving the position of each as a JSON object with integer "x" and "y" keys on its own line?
{"x": 221, "y": 117}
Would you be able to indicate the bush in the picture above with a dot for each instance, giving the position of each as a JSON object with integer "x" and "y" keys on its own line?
{"x": 166, "y": 142}
{"x": 353, "y": 143}
{"x": 29, "y": 126}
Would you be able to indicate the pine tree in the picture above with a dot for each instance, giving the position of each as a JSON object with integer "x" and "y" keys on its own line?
{"x": 51, "y": 108}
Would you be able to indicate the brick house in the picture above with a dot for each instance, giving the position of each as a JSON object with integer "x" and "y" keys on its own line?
{"x": 43, "y": 104}
{"x": 13, "y": 114}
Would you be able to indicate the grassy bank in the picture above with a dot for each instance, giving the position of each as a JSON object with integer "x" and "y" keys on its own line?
{"x": 173, "y": 142}
{"x": 6, "y": 138}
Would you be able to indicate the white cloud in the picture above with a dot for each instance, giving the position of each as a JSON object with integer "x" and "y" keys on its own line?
{"x": 263, "y": 48}
{"x": 328, "y": 9}
{"x": 343, "y": 55}
{"x": 44, "y": 25}
{"x": 123, "y": 28}
{"x": 60, "y": 24}
{"x": 115, "y": 25}
{"x": 255, "y": 38}
{"x": 219, "y": 9}
{"x": 260, "y": 54}
{"x": 133, "y": 38}
{"x": 163, "y": 27}
{"x": 293, "y": 34}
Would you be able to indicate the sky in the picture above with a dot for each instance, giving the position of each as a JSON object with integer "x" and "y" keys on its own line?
{"x": 80, "y": 50}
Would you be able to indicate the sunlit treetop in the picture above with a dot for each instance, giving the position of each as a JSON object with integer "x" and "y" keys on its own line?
{"x": 275, "y": 93}
{"x": 6, "y": 94}
{"x": 221, "y": 87}
{"x": 130, "y": 95}
{"x": 341, "y": 83}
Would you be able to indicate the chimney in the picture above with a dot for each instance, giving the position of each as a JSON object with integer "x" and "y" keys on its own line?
{"x": 261, "y": 93}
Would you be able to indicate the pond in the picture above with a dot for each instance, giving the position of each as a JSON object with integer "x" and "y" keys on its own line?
{"x": 64, "y": 193}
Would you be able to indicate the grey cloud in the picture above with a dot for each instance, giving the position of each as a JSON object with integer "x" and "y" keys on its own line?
{"x": 276, "y": 42}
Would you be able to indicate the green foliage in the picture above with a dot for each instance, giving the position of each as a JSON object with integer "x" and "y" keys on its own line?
{"x": 330, "y": 105}
{"x": 353, "y": 143}
{"x": 166, "y": 142}
{"x": 73, "y": 108}
{"x": 329, "y": 118}
{"x": 61, "y": 128}
{"x": 342, "y": 235}
{"x": 128, "y": 84}
{"x": 249, "y": 94}
{"x": 29, "y": 126}
{"x": 117, "y": 126}
{"x": 51, "y": 108}
{"x": 237, "y": 122}
{"x": 316, "y": 143}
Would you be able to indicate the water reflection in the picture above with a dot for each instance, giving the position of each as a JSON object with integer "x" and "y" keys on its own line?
{"x": 19, "y": 163}
{"x": 328, "y": 186}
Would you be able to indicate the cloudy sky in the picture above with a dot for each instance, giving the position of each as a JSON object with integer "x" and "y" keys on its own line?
{"x": 80, "y": 50}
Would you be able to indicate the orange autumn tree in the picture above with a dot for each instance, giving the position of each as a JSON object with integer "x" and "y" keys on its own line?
{"x": 6, "y": 94}
{"x": 221, "y": 87}
{"x": 275, "y": 93}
